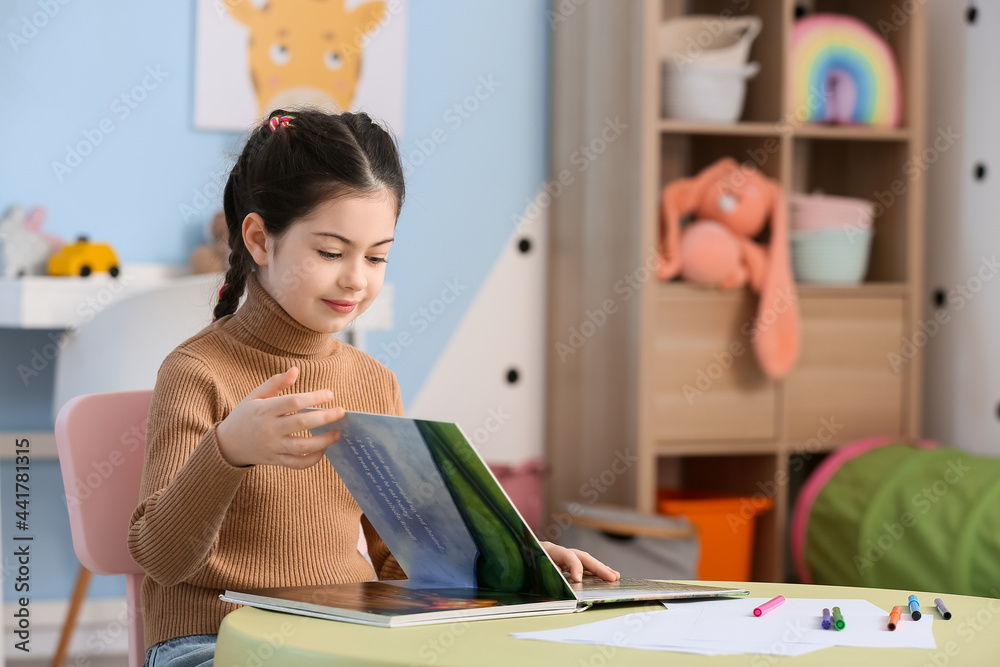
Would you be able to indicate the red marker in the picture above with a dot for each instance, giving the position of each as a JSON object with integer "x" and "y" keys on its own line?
{"x": 769, "y": 605}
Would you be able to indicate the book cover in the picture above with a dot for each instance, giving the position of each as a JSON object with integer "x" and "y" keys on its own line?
{"x": 397, "y": 603}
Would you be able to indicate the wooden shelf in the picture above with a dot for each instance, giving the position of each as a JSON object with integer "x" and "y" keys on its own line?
{"x": 864, "y": 290}
{"x": 763, "y": 129}
{"x": 628, "y": 388}
{"x": 822, "y": 448}
{"x": 853, "y": 132}
{"x": 745, "y": 129}
{"x": 680, "y": 290}
{"x": 718, "y": 448}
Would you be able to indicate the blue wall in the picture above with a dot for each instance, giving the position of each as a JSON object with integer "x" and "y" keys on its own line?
{"x": 60, "y": 81}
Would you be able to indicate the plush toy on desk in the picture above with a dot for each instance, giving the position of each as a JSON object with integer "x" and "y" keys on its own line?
{"x": 213, "y": 257}
{"x": 24, "y": 247}
{"x": 732, "y": 205}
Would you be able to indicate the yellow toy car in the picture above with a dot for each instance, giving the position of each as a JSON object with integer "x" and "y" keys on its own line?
{"x": 83, "y": 258}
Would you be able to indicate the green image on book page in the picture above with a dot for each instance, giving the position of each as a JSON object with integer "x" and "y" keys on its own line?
{"x": 509, "y": 558}
{"x": 438, "y": 508}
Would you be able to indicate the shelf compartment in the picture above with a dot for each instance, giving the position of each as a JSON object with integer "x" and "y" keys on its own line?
{"x": 763, "y": 96}
{"x": 682, "y": 156}
{"x": 889, "y": 19}
{"x": 882, "y": 172}
{"x": 754, "y": 476}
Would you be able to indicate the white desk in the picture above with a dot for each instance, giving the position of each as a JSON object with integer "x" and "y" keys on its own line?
{"x": 56, "y": 302}
{"x": 64, "y": 303}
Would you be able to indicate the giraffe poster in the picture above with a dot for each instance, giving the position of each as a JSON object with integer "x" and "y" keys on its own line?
{"x": 253, "y": 56}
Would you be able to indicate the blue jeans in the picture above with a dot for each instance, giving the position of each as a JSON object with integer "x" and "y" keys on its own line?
{"x": 189, "y": 651}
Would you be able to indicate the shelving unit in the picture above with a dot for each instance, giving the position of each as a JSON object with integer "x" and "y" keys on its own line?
{"x": 624, "y": 388}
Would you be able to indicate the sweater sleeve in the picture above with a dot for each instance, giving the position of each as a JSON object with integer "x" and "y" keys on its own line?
{"x": 385, "y": 563}
{"x": 397, "y": 398}
{"x": 187, "y": 486}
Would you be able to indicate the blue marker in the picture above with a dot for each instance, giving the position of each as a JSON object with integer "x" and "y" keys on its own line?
{"x": 914, "y": 608}
{"x": 826, "y": 619}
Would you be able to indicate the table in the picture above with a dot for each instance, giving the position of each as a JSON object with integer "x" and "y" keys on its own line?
{"x": 255, "y": 637}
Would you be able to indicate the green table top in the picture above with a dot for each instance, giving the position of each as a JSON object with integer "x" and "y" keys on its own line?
{"x": 257, "y": 638}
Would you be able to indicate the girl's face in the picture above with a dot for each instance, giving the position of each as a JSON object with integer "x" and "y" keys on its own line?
{"x": 329, "y": 266}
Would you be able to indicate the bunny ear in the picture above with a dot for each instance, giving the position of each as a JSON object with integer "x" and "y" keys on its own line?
{"x": 679, "y": 198}
{"x": 777, "y": 337}
{"x": 35, "y": 219}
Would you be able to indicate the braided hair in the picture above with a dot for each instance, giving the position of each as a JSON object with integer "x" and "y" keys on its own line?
{"x": 295, "y": 161}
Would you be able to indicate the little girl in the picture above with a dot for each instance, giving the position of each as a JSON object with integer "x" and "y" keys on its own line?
{"x": 235, "y": 494}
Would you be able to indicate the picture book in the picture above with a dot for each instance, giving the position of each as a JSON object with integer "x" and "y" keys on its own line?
{"x": 465, "y": 548}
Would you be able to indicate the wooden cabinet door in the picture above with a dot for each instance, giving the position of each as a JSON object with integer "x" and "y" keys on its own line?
{"x": 846, "y": 384}
{"x": 704, "y": 378}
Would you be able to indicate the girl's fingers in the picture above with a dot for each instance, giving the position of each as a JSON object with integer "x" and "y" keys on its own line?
{"x": 595, "y": 566}
{"x": 275, "y": 384}
{"x": 297, "y": 446}
{"x": 283, "y": 405}
{"x": 566, "y": 559}
{"x": 300, "y": 462}
{"x": 303, "y": 421}
{"x": 575, "y": 566}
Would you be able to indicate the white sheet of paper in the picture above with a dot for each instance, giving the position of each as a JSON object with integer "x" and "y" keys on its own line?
{"x": 799, "y": 620}
{"x": 660, "y": 631}
{"x": 873, "y": 631}
{"x": 728, "y": 627}
{"x": 621, "y": 630}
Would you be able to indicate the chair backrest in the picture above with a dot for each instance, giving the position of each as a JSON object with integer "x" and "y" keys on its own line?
{"x": 101, "y": 440}
{"x": 122, "y": 347}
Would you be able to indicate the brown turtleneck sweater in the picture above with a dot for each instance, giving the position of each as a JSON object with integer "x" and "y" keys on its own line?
{"x": 203, "y": 526}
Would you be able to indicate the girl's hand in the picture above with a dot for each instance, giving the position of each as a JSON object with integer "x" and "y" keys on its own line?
{"x": 578, "y": 562}
{"x": 259, "y": 430}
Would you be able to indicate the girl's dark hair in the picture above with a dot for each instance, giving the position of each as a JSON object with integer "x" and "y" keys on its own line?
{"x": 283, "y": 174}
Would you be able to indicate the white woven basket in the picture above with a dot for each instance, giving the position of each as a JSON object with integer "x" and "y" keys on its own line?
{"x": 706, "y": 92}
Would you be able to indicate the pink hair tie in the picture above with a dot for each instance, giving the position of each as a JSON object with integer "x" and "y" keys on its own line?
{"x": 279, "y": 121}
{"x": 219, "y": 298}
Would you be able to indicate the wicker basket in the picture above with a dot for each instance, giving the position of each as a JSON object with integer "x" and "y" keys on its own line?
{"x": 706, "y": 92}
{"x": 704, "y": 66}
{"x": 818, "y": 211}
{"x": 708, "y": 39}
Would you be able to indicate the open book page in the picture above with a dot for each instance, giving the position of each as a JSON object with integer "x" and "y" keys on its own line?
{"x": 593, "y": 589}
{"x": 438, "y": 507}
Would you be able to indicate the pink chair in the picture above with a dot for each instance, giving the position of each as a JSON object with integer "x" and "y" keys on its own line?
{"x": 101, "y": 439}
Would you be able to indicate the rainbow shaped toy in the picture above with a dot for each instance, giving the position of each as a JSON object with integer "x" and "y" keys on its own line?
{"x": 843, "y": 73}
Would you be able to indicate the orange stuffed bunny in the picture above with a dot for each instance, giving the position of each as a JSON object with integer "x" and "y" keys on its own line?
{"x": 732, "y": 204}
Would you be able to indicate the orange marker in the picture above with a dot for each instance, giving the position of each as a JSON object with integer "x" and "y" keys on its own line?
{"x": 894, "y": 617}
